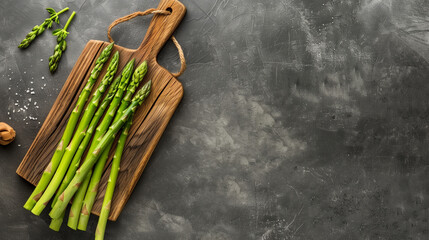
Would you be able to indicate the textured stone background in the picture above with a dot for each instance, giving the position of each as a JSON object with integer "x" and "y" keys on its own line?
{"x": 301, "y": 119}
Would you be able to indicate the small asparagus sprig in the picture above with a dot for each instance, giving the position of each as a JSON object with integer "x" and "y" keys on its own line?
{"x": 107, "y": 200}
{"x": 37, "y": 30}
{"x": 93, "y": 156}
{"x": 61, "y": 44}
{"x": 92, "y": 190}
{"x": 68, "y": 132}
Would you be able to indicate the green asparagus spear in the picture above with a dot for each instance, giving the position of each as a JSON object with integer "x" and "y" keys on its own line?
{"x": 101, "y": 130}
{"x": 92, "y": 190}
{"x": 93, "y": 156}
{"x": 61, "y": 44}
{"x": 37, "y": 30}
{"x": 78, "y": 136}
{"x": 56, "y": 223}
{"x": 77, "y": 203}
{"x": 107, "y": 200}
{"x": 68, "y": 132}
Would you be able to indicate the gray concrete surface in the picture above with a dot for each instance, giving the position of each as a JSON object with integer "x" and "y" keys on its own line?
{"x": 301, "y": 119}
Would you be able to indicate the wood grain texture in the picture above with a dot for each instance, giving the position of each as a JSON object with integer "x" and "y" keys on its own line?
{"x": 149, "y": 121}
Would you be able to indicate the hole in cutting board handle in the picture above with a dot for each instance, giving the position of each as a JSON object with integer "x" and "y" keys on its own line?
{"x": 169, "y": 9}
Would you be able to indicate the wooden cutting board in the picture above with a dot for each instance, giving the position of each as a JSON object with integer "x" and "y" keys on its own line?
{"x": 149, "y": 121}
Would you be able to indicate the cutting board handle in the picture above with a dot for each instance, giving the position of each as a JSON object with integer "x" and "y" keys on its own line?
{"x": 162, "y": 27}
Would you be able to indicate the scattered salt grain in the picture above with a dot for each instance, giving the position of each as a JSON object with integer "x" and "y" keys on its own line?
{"x": 32, "y": 93}
{"x": 41, "y": 59}
{"x": 43, "y": 77}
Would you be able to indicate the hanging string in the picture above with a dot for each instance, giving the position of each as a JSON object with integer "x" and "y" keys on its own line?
{"x": 144, "y": 13}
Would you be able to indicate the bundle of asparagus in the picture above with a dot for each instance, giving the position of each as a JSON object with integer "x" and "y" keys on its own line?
{"x": 65, "y": 176}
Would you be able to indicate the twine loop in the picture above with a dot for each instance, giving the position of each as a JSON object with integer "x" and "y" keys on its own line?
{"x": 144, "y": 13}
